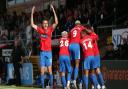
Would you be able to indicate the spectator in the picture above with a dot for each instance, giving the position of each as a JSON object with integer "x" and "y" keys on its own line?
{"x": 124, "y": 48}
{"x": 17, "y": 55}
{"x": 28, "y": 32}
{"x": 109, "y": 55}
{"x": 3, "y": 37}
{"x": 1, "y": 64}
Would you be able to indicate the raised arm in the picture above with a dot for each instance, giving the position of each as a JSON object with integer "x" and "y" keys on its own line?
{"x": 32, "y": 21}
{"x": 88, "y": 31}
{"x": 55, "y": 17}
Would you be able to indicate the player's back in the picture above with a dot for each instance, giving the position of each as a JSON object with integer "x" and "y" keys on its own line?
{"x": 64, "y": 44}
{"x": 75, "y": 34}
{"x": 87, "y": 45}
{"x": 96, "y": 49}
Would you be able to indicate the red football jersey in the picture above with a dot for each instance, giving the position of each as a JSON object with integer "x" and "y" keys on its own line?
{"x": 75, "y": 34}
{"x": 96, "y": 49}
{"x": 45, "y": 38}
{"x": 64, "y": 44}
{"x": 87, "y": 46}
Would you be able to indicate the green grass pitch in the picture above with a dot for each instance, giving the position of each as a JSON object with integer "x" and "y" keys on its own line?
{"x": 15, "y": 87}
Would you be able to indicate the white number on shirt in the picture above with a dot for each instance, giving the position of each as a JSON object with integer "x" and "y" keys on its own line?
{"x": 64, "y": 43}
{"x": 89, "y": 45}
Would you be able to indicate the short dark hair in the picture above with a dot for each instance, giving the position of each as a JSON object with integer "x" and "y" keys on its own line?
{"x": 44, "y": 20}
{"x": 84, "y": 31}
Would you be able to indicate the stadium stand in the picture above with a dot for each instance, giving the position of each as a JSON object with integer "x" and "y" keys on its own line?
{"x": 103, "y": 15}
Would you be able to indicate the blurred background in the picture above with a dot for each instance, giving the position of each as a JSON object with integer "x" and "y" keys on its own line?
{"x": 108, "y": 17}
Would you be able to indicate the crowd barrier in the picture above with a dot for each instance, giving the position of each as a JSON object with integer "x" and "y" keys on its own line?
{"x": 115, "y": 72}
{"x": 26, "y": 73}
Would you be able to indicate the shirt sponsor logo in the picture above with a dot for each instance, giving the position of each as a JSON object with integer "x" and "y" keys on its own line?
{"x": 44, "y": 35}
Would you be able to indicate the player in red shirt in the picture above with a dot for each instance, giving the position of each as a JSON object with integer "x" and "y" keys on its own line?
{"x": 97, "y": 60}
{"x": 88, "y": 53}
{"x": 64, "y": 59}
{"x": 45, "y": 45}
{"x": 74, "y": 48}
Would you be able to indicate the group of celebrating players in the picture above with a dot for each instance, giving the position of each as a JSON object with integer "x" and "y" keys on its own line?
{"x": 70, "y": 43}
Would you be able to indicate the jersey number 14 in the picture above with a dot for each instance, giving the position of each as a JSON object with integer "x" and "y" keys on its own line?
{"x": 86, "y": 46}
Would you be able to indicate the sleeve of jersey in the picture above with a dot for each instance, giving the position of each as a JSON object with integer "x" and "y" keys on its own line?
{"x": 94, "y": 36}
{"x": 82, "y": 28}
{"x": 40, "y": 30}
{"x": 51, "y": 28}
{"x": 59, "y": 41}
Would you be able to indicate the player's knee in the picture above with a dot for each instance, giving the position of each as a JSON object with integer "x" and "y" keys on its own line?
{"x": 86, "y": 72}
{"x": 77, "y": 63}
{"x": 92, "y": 71}
{"x": 42, "y": 70}
{"x": 50, "y": 70}
{"x": 62, "y": 74}
{"x": 98, "y": 70}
